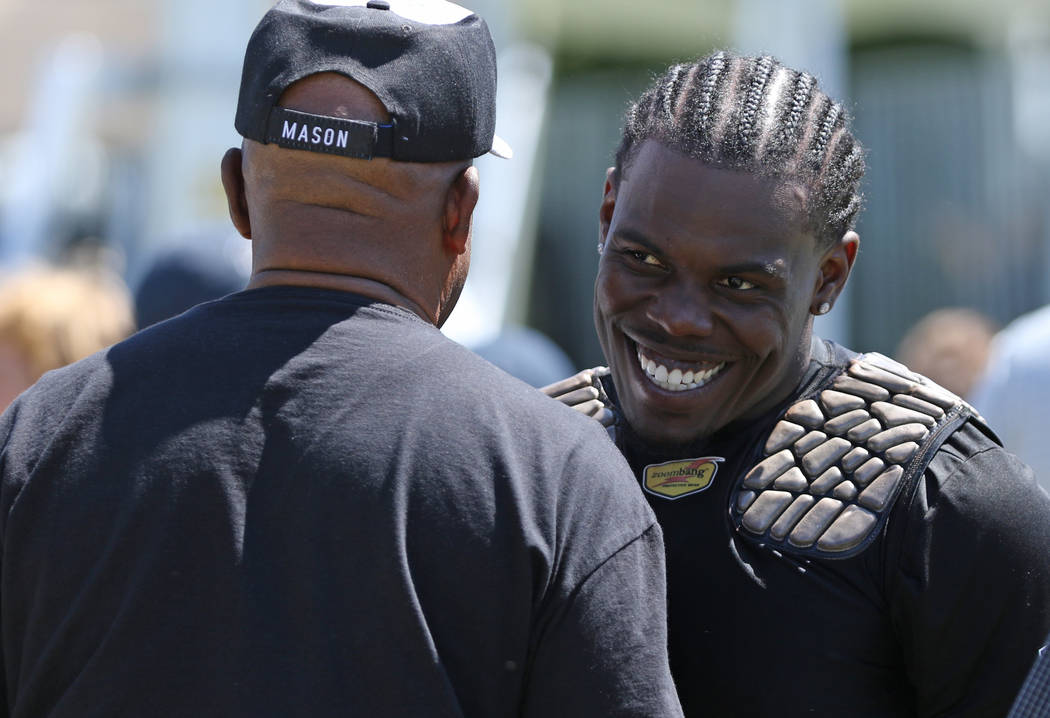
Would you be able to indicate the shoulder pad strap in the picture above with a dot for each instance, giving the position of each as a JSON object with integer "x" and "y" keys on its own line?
{"x": 599, "y": 375}
{"x": 838, "y": 458}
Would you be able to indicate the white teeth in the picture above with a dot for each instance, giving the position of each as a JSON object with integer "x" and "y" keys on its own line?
{"x": 675, "y": 380}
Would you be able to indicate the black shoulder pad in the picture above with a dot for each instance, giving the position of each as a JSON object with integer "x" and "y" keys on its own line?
{"x": 838, "y": 458}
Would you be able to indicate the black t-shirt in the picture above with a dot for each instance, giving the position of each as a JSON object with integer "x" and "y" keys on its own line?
{"x": 301, "y": 502}
{"x": 940, "y": 616}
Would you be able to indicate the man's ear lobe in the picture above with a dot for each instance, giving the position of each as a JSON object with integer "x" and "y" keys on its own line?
{"x": 834, "y": 271}
{"x": 460, "y": 201}
{"x": 233, "y": 184}
{"x": 605, "y": 211}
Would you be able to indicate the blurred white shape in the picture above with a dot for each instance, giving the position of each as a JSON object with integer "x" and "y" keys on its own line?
{"x": 807, "y": 35}
{"x": 1029, "y": 49}
{"x": 57, "y": 132}
{"x": 430, "y": 12}
{"x": 200, "y": 64}
{"x": 504, "y": 221}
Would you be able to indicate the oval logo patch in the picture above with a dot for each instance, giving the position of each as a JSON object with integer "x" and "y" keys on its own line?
{"x": 675, "y": 479}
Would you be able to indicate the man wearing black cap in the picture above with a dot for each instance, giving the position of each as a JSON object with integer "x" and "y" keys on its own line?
{"x": 302, "y": 499}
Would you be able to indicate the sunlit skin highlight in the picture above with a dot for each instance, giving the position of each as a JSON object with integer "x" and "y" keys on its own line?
{"x": 704, "y": 267}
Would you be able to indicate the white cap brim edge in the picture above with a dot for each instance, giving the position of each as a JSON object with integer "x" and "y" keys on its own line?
{"x": 500, "y": 148}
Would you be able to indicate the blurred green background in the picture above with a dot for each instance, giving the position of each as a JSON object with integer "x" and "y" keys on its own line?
{"x": 116, "y": 114}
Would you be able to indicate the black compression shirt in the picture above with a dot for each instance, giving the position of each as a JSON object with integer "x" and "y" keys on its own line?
{"x": 941, "y": 615}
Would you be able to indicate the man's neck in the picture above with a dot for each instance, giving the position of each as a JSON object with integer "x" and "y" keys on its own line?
{"x": 341, "y": 282}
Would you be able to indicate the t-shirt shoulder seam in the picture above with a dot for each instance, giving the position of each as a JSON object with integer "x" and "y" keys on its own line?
{"x": 653, "y": 526}
{"x": 956, "y": 468}
{"x": 958, "y": 463}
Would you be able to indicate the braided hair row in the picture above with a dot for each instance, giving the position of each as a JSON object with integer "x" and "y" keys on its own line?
{"x": 754, "y": 114}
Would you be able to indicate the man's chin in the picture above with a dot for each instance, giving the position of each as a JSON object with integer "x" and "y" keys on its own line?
{"x": 666, "y": 419}
{"x": 667, "y": 432}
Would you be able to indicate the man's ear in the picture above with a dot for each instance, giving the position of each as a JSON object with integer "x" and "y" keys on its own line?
{"x": 460, "y": 201}
{"x": 835, "y": 267}
{"x": 605, "y": 211}
{"x": 233, "y": 183}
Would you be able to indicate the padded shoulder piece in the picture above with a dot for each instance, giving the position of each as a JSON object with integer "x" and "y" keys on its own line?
{"x": 598, "y": 376}
{"x": 836, "y": 461}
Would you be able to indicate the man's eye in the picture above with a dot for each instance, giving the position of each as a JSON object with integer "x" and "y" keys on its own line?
{"x": 644, "y": 257}
{"x": 737, "y": 283}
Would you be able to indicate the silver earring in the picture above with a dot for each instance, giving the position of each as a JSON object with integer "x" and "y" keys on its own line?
{"x": 601, "y": 247}
{"x": 824, "y": 308}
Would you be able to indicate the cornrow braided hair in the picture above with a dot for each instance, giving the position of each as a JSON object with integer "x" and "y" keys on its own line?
{"x": 745, "y": 129}
{"x": 754, "y": 114}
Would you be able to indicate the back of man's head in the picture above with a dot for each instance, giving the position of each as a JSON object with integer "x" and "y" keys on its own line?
{"x": 361, "y": 122}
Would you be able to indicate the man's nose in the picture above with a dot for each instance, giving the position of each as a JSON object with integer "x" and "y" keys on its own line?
{"x": 682, "y": 311}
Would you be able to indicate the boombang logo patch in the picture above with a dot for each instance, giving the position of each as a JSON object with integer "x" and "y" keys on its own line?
{"x": 675, "y": 479}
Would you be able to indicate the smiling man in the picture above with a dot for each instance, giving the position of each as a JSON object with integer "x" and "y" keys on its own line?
{"x": 875, "y": 551}
{"x": 682, "y": 229}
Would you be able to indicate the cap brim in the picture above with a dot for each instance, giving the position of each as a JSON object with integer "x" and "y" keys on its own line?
{"x": 500, "y": 148}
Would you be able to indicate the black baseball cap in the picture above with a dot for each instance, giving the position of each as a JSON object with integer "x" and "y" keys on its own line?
{"x": 431, "y": 63}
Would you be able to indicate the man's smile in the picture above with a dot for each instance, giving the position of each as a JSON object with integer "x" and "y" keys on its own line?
{"x": 674, "y": 374}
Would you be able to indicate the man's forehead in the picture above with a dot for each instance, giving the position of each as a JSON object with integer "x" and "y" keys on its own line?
{"x": 655, "y": 157}
{"x": 430, "y": 12}
{"x": 663, "y": 186}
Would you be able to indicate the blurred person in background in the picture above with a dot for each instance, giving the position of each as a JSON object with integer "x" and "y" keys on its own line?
{"x": 874, "y": 551}
{"x": 303, "y": 499}
{"x": 1014, "y": 391}
{"x": 51, "y": 317}
{"x": 950, "y": 346}
{"x": 178, "y": 279}
{"x": 527, "y": 354}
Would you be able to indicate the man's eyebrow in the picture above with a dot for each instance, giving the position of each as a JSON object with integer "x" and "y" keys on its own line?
{"x": 773, "y": 269}
{"x": 770, "y": 269}
{"x": 638, "y": 237}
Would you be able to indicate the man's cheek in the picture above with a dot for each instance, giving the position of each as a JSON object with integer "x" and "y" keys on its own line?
{"x": 615, "y": 292}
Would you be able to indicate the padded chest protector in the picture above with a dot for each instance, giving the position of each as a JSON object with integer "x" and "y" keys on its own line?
{"x": 836, "y": 461}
